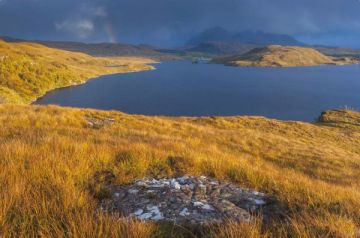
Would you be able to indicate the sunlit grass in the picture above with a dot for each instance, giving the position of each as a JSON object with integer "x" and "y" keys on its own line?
{"x": 50, "y": 157}
{"x": 28, "y": 70}
{"x": 283, "y": 56}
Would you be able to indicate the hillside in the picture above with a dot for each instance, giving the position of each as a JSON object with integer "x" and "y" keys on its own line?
{"x": 29, "y": 70}
{"x": 282, "y": 56}
{"x": 339, "y": 52}
{"x": 105, "y": 49}
{"x": 114, "y": 50}
{"x": 56, "y": 162}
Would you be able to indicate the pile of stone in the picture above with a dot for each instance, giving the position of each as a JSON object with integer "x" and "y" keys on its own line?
{"x": 189, "y": 200}
{"x": 97, "y": 122}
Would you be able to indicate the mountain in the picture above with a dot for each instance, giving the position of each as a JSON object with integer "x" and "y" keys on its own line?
{"x": 211, "y": 35}
{"x": 221, "y": 48}
{"x": 219, "y": 34}
{"x": 282, "y": 56}
{"x": 263, "y": 38}
{"x": 339, "y": 52}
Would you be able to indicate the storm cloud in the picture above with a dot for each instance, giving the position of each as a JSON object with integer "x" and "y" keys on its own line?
{"x": 172, "y": 22}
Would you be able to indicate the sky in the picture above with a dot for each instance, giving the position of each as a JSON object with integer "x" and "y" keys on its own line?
{"x": 173, "y": 22}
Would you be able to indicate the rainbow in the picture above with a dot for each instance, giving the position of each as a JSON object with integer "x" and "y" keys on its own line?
{"x": 110, "y": 33}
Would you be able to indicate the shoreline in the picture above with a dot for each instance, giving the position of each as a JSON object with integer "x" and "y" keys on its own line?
{"x": 232, "y": 64}
{"x": 151, "y": 67}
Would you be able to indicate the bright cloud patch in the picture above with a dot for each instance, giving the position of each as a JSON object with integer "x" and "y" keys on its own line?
{"x": 80, "y": 28}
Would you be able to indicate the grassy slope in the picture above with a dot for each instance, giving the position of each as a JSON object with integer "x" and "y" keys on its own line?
{"x": 49, "y": 156}
{"x": 29, "y": 70}
{"x": 281, "y": 56}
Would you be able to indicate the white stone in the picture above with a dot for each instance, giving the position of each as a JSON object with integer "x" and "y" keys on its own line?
{"x": 156, "y": 183}
{"x": 175, "y": 184}
{"x": 207, "y": 207}
{"x": 155, "y": 212}
{"x": 133, "y": 191}
{"x": 184, "y": 212}
{"x": 138, "y": 212}
{"x": 117, "y": 195}
{"x": 258, "y": 193}
{"x": 183, "y": 179}
{"x": 158, "y": 217}
{"x": 198, "y": 204}
{"x": 145, "y": 216}
{"x": 141, "y": 183}
{"x": 259, "y": 201}
{"x": 152, "y": 207}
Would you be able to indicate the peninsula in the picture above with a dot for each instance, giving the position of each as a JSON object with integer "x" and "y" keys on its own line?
{"x": 283, "y": 56}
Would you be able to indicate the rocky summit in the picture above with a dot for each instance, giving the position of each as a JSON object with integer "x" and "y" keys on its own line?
{"x": 187, "y": 200}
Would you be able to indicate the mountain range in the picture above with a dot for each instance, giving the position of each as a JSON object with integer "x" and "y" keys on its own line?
{"x": 215, "y": 41}
{"x": 219, "y": 34}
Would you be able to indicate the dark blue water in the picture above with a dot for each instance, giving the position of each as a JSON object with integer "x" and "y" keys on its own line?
{"x": 186, "y": 89}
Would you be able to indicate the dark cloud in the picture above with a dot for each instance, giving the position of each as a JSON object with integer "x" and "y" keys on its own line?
{"x": 169, "y": 22}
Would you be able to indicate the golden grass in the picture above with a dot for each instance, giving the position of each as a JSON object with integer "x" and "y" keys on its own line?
{"x": 282, "y": 56}
{"x": 28, "y": 70}
{"x": 49, "y": 156}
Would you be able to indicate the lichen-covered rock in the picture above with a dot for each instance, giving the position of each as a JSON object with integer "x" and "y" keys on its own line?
{"x": 193, "y": 200}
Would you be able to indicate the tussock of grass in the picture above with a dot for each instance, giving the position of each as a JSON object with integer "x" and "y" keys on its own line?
{"x": 54, "y": 166}
{"x": 28, "y": 70}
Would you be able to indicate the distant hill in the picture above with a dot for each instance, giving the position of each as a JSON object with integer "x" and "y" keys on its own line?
{"x": 339, "y": 52}
{"x": 106, "y": 49}
{"x": 221, "y": 48}
{"x": 231, "y": 48}
{"x": 219, "y": 34}
{"x": 282, "y": 56}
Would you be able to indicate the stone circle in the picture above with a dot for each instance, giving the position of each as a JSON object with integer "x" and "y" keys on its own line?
{"x": 186, "y": 200}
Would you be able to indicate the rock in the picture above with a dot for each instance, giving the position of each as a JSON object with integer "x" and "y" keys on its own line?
{"x": 133, "y": 191}
{"x": 198, "y": 204}
{"x": 207, "y": 207}
{"x": 184, "y": 212}
{"x": 98, "y": 122}
{"x": 175, "y": 184}
{"x": 185, "y": 200}
{"x": 259, "y": 201}
{"x": 138, "y": 212}
{"x": 145, "y": 216}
